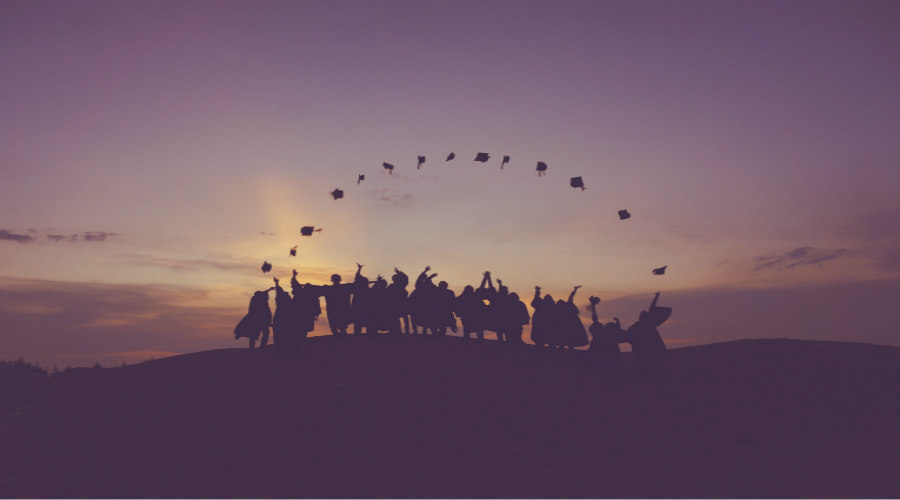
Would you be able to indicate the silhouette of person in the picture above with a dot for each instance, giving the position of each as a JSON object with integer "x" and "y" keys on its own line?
{"x": 360, "y": 307}
{"x": 421, "y": 302}
{"x": 514, "y": 316}
{"x": 571, "y": 329}
{"x": 647, "y": 345}
{"x": 337, "y": 304}
{"x": 306, "y": 307}
{"x": 283, "y": 322}
{"x": 256, "y": 321}
{"x": 470, "y": 309}
{"x": 604, "y": 347}
{"x": 380, "y": 314}
{"x": 489, "y": 298}
{"x": 444, "y": 300}
{"x": 543, "y": 321}
{"x": 398, "y": 300}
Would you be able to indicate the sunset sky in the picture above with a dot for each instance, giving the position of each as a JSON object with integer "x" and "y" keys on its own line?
{"x": 154, "y": 153}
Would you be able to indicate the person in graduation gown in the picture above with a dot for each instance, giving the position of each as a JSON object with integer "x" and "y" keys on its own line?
{"x": 604, "y": 348}
{"x": 571, "y": 329}
{"x": 542, "y": 321}
{"x": 306, "y": 307}
{"x": 469, "y": 308}
{"x": 444, "y": 300}
{"x": 360, "y": 303}
{"x": 647, "y": 345}
{"x": 514, "y": 316}
{"x": 337, "y": 304}
{"x": 257, "y": 320}
{"x": 283, "y": 322}
{"x": 398, "y": 299}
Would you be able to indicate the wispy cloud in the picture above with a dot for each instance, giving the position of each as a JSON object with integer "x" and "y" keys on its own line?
{"x": 189, "y": 265}
{"x": 391, "y": 198}
{"x": 37, "y": 237}
{"x": 801, "y": 256}
{"x": 7, "y": 235}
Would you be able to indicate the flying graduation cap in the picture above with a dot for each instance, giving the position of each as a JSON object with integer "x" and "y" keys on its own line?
{"x": 576, "y": 182}
{"x": 361, "y": 178}
{"x": 505, "y": 161}
{"x": 541, "y": 168}
{"x": 294, "y": 251}
{"x": 450, "y": 156}
{"x": 308, "y": 230}
{"x": 266, "y": 267}
{"x": 623, "y": 214}
{"x": 337, "y": 194}
{"x": 387, "y": 166}
{"x": 482, "y": 157}
{"x": 421, "y": 161}
{"x": 660, "y": 270}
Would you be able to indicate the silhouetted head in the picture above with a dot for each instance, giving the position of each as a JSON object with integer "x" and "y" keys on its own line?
{"x": 560, "y": 302}
{"x": 611, "y": 324}
{"x": 503, "y": 290}
{"x": 469, "y": 289}
{"x": 336, "y": 279}
{"x": 644, "y": 315}
{"x": 442, "y": 285}
{"x": 514, "y": 296}
{"x": 548, "y": 300}
{"x": 380, "y": 283}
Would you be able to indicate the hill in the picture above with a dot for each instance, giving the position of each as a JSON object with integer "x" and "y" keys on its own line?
{"x": 443, "y": 417}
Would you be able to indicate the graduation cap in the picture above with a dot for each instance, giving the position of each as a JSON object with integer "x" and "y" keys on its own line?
{"x": 451, "y": 156}
{"x": 482, "y": 157}
{"x": 266, "y": 267}
{"x": 576, "y": 182}
{"x": 541, "y": 168}
{"x": 660, "y": 270}
{"x": 294, "y": 251}
{"x": 421, "y": 161}
{"x": 308, "y": 230}
{"x": 623, "y": 214}
{"x": 337, "y": 194}
{"x": 361, "y": 178}
{"x": 387, "y": 166}
{"x": 505, "y": 161}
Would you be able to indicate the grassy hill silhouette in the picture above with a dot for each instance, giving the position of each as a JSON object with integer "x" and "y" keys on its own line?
{"x": 443, "y": 417}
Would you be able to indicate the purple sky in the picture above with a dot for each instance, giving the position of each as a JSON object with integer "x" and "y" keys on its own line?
{"x": 153, "y": 154}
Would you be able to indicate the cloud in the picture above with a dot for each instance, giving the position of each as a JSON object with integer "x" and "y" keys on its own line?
{"x": 390, "y": 198}
{"x": 88, "y": 236}
{"x": 75, "y": 323}
{"x": 190, "y": 265}
{"x": 802, "y": 256}
{"x": 8, "y": 235}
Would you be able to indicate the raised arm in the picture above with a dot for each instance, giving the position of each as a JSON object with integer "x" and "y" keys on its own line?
{"x": 423, "y": 277}
{"x": 537, "y": 297}
{"x": 572, "y": 295}
{"x": 594, "y": 313}
{"x": 655, "y": 298}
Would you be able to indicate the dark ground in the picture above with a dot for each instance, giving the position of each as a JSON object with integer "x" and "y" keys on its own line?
{"x": 442, "y": 417}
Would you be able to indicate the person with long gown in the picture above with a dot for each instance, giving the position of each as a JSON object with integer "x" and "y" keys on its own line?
{"x": 257, "y": 320}
{"x": 647, "y": 345}
{"x": 469, "y": 308}
{"x": 337, "y": 304}
{"x": 571, "y": 329}
{"x": 542, "y": 321}
{"x": 283, "y": 321}
{"x": 604, "y": 348}
{"x": 306, "y": 307}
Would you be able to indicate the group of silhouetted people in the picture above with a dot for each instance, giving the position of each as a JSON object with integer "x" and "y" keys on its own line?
{"x": 371, "y": 307}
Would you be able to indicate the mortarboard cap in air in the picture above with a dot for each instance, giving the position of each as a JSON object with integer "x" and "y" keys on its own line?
{"x": 451, "y": 156}
{"x": 337, "y": 194}
{"x": 421, "y": 161}
{"x": 576, "y": 182}
{"x": 660, "y": 270}
{"x": 387, "y": 166}
{"x": 505, "y": 161}
{"x": 308, "y": 230}
{"x": 294, "y": 251}
{"x": 623, "y": 214}
{"x": 541, "y": 168}
{"x": 361, "y": 178}
{"x": 482, "y": 157}
{"x": 266, "y": 267}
